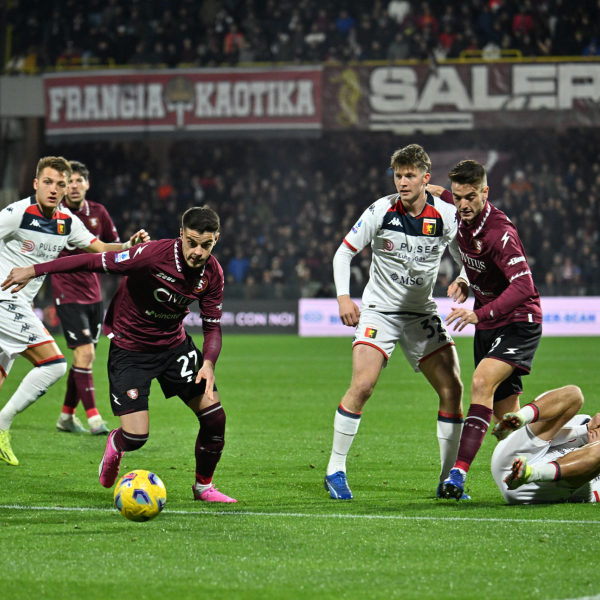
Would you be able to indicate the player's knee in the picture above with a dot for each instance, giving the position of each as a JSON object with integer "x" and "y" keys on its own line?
{"x": 362, "y": 389}
{"x": 84, "y": 356}
{"x": 575, "y": 394}
{"x": 480, "y": 386}
{"x": 54, "y": 370}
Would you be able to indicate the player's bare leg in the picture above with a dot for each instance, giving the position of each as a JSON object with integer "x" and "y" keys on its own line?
{"x": 442, "y": 370}
{"x": 49, "y": 366}
{"x": 510, "y": 404}
{"x": 131, "y": 436}
{"x": 209, "y": 446}
{"x": 80, "y": 386}
{"x": 367, "y": 363}
{"x": 489, "y": 374}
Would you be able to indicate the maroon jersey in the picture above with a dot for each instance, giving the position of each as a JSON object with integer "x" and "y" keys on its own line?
{"x": 497, "y": 269}
{"x": 84, "y": 287}
{"x": 147, "y": 311}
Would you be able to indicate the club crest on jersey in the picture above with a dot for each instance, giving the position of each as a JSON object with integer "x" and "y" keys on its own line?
{"x": 60, "y": 224}
{"x": 429, "y": 226}
{"x": 388, "y": 245}
{"x": 133, "y": 394}
{"x": 371, "y": 332}
{"x": 478, "y": 246}
{"x": 93, "y": 221}
{"x": 201, "y": 285}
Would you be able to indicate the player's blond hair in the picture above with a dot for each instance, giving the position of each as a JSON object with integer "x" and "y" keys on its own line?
{"x": 412, "y": 155}
{"x": 58, "y": 163}
{"x": 469, "y": 172}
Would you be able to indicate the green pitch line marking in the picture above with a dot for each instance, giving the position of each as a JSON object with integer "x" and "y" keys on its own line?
{"x": 239, "y": 513}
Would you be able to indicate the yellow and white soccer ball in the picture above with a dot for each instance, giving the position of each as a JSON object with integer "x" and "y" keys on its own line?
{"x": 140, "y": 495}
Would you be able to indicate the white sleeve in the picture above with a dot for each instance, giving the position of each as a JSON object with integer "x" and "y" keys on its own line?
{"x": 365, "y": 229}
{"x": 454, "y": 251}
{"x": 80, "y": 236}
{"x": 341, "y": 269}
{"x": 10, "y": 220}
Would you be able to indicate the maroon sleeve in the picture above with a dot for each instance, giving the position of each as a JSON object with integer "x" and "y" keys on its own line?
{"x": 447, "y": 197}
{"x": 211, "y": 308}
{"x": 509, "y": 256}
{"x": 121, "y": 262}
{"x": 109, "y": 231}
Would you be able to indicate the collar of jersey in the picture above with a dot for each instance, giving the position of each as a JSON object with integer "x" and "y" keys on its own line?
{"x": 475, "y": 228}
{"x": 182, "y": 266}
{"x": 402, "y": 211}
{"x": 55, "y": 215}
{"x": 84, "y": 205}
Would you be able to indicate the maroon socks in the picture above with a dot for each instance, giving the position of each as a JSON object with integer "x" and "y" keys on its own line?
{"x": 80, "y": 386}
{"x": 474, "y": 430}
{"x": 210, "y": 442}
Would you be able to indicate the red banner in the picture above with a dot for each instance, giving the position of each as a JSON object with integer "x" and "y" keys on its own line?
{"x": 183, "y": 101}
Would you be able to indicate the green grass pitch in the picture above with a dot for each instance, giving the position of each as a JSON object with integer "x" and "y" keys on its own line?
{"x": 286, "y": 538}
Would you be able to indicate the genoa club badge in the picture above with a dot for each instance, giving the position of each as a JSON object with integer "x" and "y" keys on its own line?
{"x": 371, "y": 332}
{"x": 60, "y": 224}
{"x": 133, "y": 394}
{"x": 429, "y": 226}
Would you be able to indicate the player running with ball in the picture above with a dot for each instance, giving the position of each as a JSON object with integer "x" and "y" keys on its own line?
{"x": 145, "y": 325}
{"x": 33, "y": 230}
{"x": 507, "y": 315}
{"x": 408, "y": 233}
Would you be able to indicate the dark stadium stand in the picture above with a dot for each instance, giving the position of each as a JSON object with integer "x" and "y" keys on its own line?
{"x": 49, "y": 34}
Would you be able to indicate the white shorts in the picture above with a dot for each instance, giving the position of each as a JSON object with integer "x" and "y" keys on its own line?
{"x": 19, "y": 329}
{"x": 419, "y": 336}
{"x": 524, "y": 443}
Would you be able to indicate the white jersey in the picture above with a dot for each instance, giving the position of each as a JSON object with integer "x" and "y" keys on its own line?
{"x": 27, "y": 237}
{"x": 407, "y": 252}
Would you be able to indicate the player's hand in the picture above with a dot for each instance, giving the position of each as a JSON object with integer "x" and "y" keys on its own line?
{"x": 458, "y": 290}
{"x": 207, "y": 372}
{"x": 19, "y": 277}
{"x": 141, "y": 237}
{"x": 435, "y": 190}
{"x": 349, "y": 312}
{"x": 594, "y": 422}
{"x": 463, "y": 317}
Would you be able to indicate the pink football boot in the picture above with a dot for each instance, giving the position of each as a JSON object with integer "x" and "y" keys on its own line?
{"x": 212, "y": 494}
{"x": 110, "y": 463}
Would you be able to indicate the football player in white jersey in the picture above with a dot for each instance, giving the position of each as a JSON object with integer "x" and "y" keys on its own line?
{"x": 408, "y": 233}
{"x": 32, "y": 231}
{"x": 554, "y": 453}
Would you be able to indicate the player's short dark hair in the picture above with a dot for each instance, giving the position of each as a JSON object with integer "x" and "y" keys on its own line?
{"x": 79, "y": 167}
{"x": 201, "y": 219}
{"x": 469, "y": 172}
{"x": 58, "y": 163}
{"x": 412, "y": 155}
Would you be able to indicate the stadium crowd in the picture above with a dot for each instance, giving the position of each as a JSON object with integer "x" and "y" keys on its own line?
{"x": 281, "y": 226}
{"x": 172, "y": 33}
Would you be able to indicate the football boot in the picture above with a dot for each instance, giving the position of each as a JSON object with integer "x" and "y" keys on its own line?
{"x": 337, "y": 486}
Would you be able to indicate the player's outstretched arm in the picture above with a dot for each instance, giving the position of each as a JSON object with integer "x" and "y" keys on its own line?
{"x": 462, "y": 317}
{"x": 207, "y": 372}
{"x": 19, "y": 277}
{"x": 349, "y": 312}
{"x": 140, "y": 237}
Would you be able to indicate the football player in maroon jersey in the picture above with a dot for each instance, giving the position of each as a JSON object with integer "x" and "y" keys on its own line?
{"x": 507, "y": 313}
{"x": 145, "y": 325}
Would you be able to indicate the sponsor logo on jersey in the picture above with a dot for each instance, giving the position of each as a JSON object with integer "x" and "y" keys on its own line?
{"x": 28, "y": 246}
{"x": 201, "y": 285}
{"x": 163, "y": 295}
{"x": 133, "y": 394}
{"x": 371, "y": 332}
{"x": 93, "y": 221}
{"x": 406, "y": 280}
{"x": 429, "y": 226}
{"x": 388, "y": 245}
{"x": 121, "y": 256}
{"x": 60, "y": 225}
{"x": 478, "y": 246}
{"x": 165, "y": 277}
{"x": 515, "y": 260}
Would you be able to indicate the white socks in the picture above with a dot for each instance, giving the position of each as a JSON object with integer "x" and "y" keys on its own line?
{"x": 34, "y": 385}
{"x": 448, "y": 433}
{"x": 345, "y": 426}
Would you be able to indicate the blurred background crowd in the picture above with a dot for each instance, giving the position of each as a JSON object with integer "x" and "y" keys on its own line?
{"x": 170, "y": 33}
{"x": 284, "y": 215}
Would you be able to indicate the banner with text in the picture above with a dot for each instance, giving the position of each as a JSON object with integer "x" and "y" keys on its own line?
{"x": 563, "y": 316}
{"x": 183, "y": 102}
{"x": 436, "y": 98}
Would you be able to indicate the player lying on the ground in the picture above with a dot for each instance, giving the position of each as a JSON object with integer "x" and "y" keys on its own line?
{"x": 79, "y": 307}
{"x": 145, "y": 325}
{"x": 408, "y": 233}
{"x": 507, "y": 313}
{"x": 553, "y": 454}
{"x": 33, "y": 230}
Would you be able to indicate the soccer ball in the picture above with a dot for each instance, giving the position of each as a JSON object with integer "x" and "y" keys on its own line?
{"x": 140, "y": 495}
